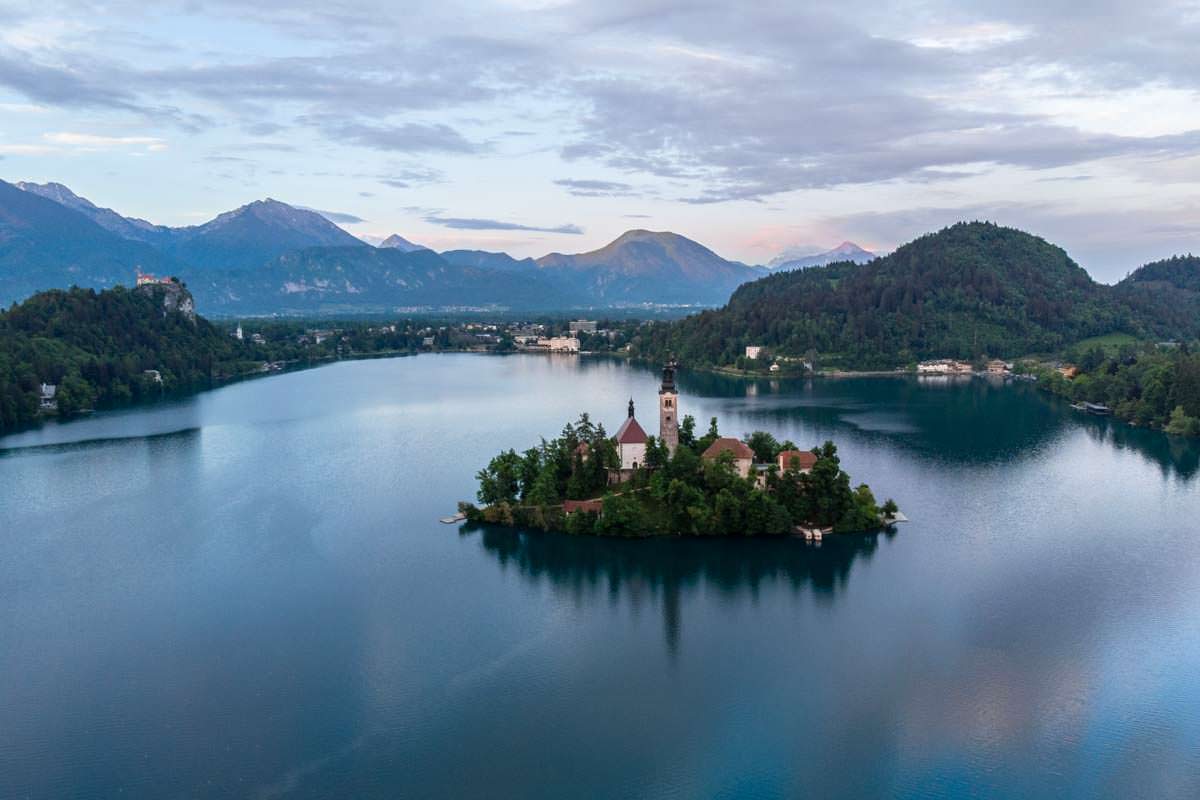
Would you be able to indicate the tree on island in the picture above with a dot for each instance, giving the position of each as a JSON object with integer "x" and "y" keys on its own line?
{"x": 681, "y": 493}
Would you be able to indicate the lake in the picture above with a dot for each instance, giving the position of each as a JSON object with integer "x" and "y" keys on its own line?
{"x": 247, "y": 593}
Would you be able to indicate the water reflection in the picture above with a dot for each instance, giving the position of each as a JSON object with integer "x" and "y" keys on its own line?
{"x": 951, "y": 419}
{"x": 1174, "y": 455}
{"x": 660, "y": 570}
{"x": 53, "y": 446}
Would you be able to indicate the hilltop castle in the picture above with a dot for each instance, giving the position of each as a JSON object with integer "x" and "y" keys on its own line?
{"x": 631, "y": 438}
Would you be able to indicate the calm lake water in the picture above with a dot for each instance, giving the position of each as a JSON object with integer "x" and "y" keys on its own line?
{"x": 248, "y": 594}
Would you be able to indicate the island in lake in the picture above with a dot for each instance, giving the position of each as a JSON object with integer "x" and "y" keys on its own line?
{"x": 677, "y": 483}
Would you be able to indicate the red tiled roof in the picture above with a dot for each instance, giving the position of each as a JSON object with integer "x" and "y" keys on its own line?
{"x": 631, "y": 432}
{"x": 804, "y": 459}
{"x": 739, "y": 449}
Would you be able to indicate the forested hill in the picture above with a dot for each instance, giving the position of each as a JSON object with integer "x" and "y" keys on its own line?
{"x": 1167, "y": 291}
{"x": 966, "y": 291}
{"x": 96, "y": 346}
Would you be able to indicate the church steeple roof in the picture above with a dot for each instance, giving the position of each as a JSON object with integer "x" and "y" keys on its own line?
{"x": 631, "y": 432}
{"x": 668, "y": 378}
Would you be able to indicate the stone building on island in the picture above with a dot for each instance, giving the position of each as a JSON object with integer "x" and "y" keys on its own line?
{"x": 631, "y": 437}
{"x": 743, "y": 456}
{"x": 668, "y": 408}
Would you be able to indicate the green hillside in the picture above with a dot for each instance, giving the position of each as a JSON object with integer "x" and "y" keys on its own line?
{"x": 969, "y": 290}
{"x": 96, "y": 346}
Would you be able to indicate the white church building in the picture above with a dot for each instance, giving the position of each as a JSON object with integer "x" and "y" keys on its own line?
{"x": 631, "y": 438}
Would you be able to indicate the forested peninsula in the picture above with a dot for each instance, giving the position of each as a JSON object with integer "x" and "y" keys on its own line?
{"x": 710, "y": 486}
{"x": 66, "y": 351}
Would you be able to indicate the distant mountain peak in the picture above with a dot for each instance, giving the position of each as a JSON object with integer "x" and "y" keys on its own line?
{"x": 802, "y": 257}
{"x": 126, "y": 227}
{"x": 398, "y": 242}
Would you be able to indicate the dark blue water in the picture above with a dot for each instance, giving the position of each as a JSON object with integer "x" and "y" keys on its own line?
{"x": 248, "y": 594}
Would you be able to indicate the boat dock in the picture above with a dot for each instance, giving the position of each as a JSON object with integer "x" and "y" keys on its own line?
{"x": 459, "y": 517}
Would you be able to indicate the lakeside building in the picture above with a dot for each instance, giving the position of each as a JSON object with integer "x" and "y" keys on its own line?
{"x": 944, "y": 366}
{"x": 48, "y": 397}
{"x": 559, "y": 344}
{"x": 582, "y": 326}
{"x": 998, "y": 367}
{"x": 753, "y": 350}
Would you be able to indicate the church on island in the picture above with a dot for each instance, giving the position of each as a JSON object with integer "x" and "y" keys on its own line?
{"x": 625, "y": 484}
{"x": 631, "y": 441}
{"x": 631, "y": 436}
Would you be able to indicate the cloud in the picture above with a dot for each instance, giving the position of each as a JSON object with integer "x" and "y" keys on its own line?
{"x": 928, "y": 104}
{"x": 93, "y": 141}
{"x": 595, "y": 188}
{"x": 473, "y": 224}
{"x": 58, "y": 85}
{"x": 410, "y": 176}
{"x": 337, "y": 217}
{"x": 408, "y": 137}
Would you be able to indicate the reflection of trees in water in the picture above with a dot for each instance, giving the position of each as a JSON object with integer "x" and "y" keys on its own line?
{"x": 959, "y": 420}
{"x": 1174, "y": 455}
{"x": 645, "y": 570}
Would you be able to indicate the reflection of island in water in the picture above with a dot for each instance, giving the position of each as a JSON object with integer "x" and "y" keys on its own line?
{"x": 964, "y": 420}
{"x": 662, "y": 567}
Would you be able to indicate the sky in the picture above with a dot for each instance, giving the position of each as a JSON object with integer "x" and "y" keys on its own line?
{"x": 535, "y": 126}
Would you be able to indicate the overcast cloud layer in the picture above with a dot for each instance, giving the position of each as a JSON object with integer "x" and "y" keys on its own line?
{"x": 539, "y": 126}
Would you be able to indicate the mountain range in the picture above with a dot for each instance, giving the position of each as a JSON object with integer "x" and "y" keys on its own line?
{"x": 802, "y": 258}
{"x": 971, "y": 288}
{"x": 269, "y": 257}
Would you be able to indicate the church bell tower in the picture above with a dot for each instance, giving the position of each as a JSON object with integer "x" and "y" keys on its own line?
{"x": 668, "y": 408}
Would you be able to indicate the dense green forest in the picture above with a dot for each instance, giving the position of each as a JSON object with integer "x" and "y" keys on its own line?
{"x": 124, "y": 345}
{"x": 1168, "y": 292}
{"x": 1147, "y": 385}
{"x": 967, "y": 291}
{"x": 96, "y": 347}
{"x": 683, "y": 494}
